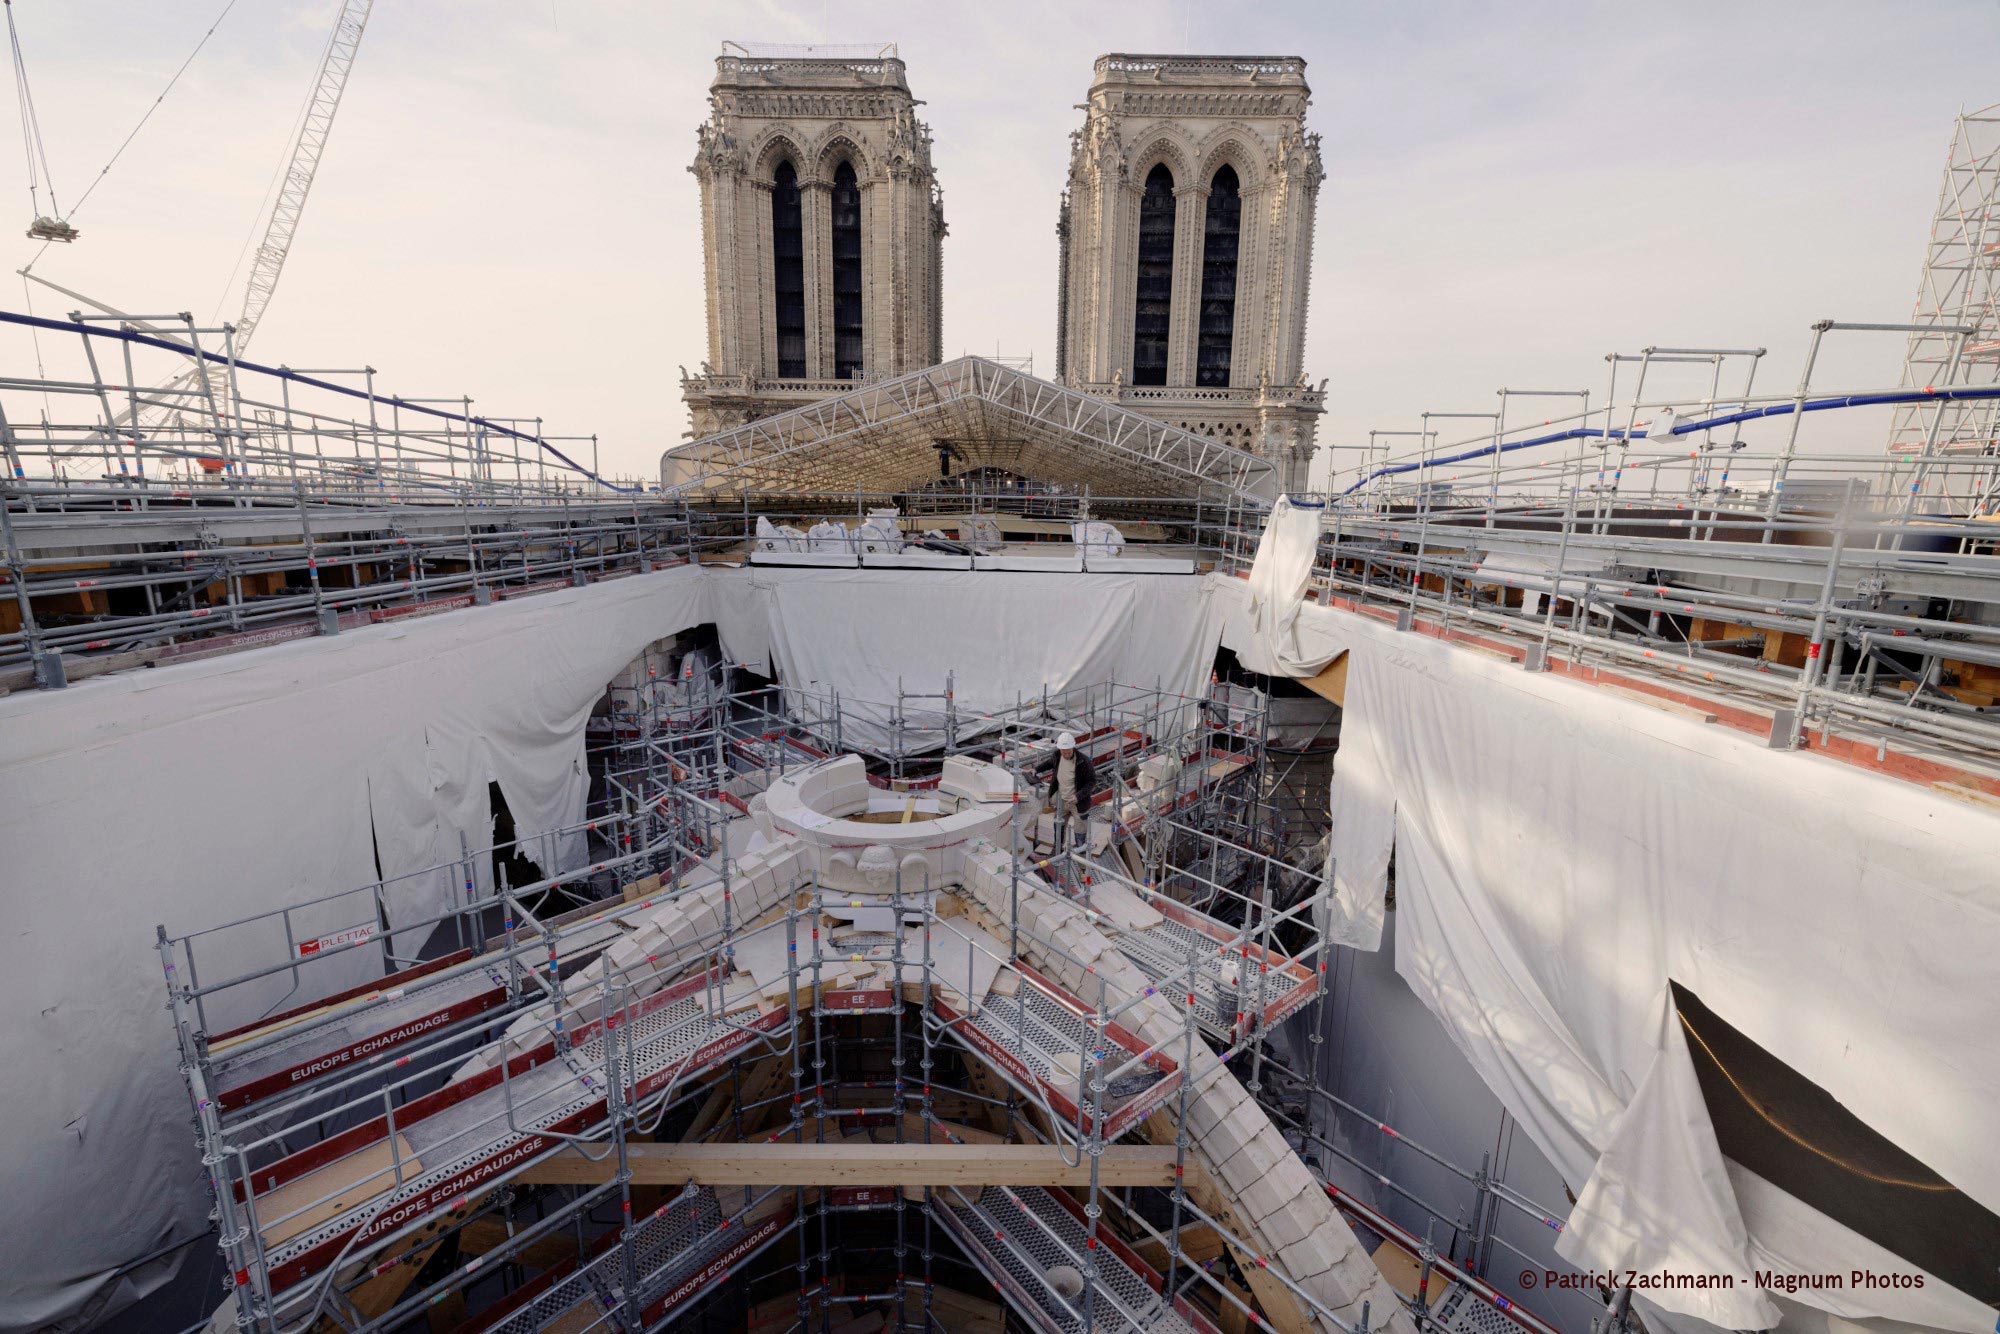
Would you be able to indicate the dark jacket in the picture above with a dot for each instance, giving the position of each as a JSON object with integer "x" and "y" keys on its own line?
{"x": 1086, "y": 777}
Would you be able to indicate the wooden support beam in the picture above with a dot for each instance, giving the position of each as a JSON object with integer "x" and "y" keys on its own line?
{"x": 858, "y": 1164}
{"x": 1331, "y": 683}
{"x": 482, "y": 1235}
{"x": 1282, "y": 1311}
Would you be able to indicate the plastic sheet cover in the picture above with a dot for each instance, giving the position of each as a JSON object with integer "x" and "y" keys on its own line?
{"x": 203, "y": 792}
{"x": 1002, "y": 636}
{"x": 1277, "y": 587}
{"x": 1561, "y": 852}
{"x": 194, "y": 794}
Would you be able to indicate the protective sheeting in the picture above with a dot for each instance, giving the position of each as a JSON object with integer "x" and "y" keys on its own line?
{"x": 198, "y": 793}
{"x": 1096, "y": 539}
{"x": 1277, "y": 587}
{"x": 1630, "y": 1217}
{"x": 208, "y": 791}
{"x": 1003, "y": 637}
{"x": 1562, "y": 852}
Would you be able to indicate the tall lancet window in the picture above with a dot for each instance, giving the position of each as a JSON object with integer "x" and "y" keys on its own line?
{"x": 788, "y": 268}
{"x": 846, "y": 273}
{"x": 1154, "y": 308}
{"x": 1218, "y": 278}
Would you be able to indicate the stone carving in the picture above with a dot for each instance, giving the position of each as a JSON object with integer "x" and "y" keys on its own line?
{"x": 776, "y": 109}
{"x": 716, "y": 148}
{"x": 1196, "y": 113}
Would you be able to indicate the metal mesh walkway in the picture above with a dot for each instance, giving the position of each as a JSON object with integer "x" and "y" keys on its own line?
{"x": 1017, "y": 1236}
{"x": 478, "y": 1138}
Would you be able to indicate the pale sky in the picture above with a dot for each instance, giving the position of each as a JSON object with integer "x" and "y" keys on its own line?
{"x": 1512, "y": 192}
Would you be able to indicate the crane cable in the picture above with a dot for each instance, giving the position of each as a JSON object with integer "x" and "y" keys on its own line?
{"x": 21, "y": 77}
{"x": 31, "y": 127}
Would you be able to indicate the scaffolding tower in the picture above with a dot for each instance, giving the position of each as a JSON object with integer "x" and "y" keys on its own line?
{"x": 1957, "y": 338}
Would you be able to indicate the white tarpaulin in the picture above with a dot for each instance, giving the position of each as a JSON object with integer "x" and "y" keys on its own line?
{"x": 1277, "y": 587}
{"x": 1562, "y": 852}
{"x": 193, "y": 794}
{"x": 1002, "y": 636}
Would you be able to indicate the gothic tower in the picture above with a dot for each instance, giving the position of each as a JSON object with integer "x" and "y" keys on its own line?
{"x": 1186, "y": 234}
{"x": 822, "y": 230}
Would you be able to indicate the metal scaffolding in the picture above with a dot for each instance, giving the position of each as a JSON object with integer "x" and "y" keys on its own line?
{"x": 889, "y": 436}
{"x": 163, "y": 497}
{"x": 383, "y": 1147}
{"x": 382, "y": 1088}
{"x": 1693, "y": 537}
{"x": 1956, "y": 340}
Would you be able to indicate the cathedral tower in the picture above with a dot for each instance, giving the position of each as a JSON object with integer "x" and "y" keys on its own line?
{"x": 822, "y": 230}
{"x": 1186, "y": 235}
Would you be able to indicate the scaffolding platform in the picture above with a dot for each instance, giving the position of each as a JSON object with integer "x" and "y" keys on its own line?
{"x": 683, "y": 1248}
{"x": 254, "y": 1062}
{"x": 1016, "y": 1237}
{"x": 426, "y": 1111}
{"x": 365, "y": 1183}
{"x": 1225, "y": 984}
{"x": 1032, "y": 1035}
{"x": 291, "y": 1049}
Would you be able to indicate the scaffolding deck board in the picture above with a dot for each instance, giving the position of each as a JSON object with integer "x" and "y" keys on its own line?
{"x": 683, "y": 1248}
{"x": 1226, "y": 979}
{"x": 469, "y": 1135}
{"x": 1015, "y": 1236}
{"x": 395, "y": 1010}
{"x": 1025, "y": 1033}
{"x": 419, "y": 1002}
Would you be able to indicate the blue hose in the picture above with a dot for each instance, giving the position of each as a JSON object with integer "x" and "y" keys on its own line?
{"x": 147, "y": 340}
{"x": 1688, "y": 428}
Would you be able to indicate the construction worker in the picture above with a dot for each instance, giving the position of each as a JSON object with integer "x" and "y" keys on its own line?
{"x": 1072, "y": 779}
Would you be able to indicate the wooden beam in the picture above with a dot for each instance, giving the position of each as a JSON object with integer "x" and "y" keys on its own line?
{"x": 482, "y": 1235}
{"x": 854, "y": 1164}
{"x": 1331, "y": 683}
{"x": 1282, "y": 1311}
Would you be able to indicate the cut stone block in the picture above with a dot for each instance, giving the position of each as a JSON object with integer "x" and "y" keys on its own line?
{"x": 1305, "y": 1259}
{"x": 1285, "y": 1222}
{"x": 1122, "y": 908}
{"x": 1294, "y": 1175}
{"x": 1253, "y": 1160}
{"x": 1263, "y": 1198}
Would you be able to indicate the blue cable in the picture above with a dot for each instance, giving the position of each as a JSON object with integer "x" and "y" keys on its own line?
{"x": 1686, "y": 428}
{"x": 147, "y": 340}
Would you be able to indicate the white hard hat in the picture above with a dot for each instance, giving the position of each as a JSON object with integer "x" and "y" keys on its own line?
{"x": 1067, "y": 741}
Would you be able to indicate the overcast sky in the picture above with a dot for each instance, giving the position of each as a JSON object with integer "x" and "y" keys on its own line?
{"x": 1512, "y": 192}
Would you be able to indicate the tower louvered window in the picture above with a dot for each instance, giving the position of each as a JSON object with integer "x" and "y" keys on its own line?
{"x": 846, "y": 273}
{"x": 1154, "y": 309}
{"x": 788, "y": 265}
{"x": 1220, "y": 236}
